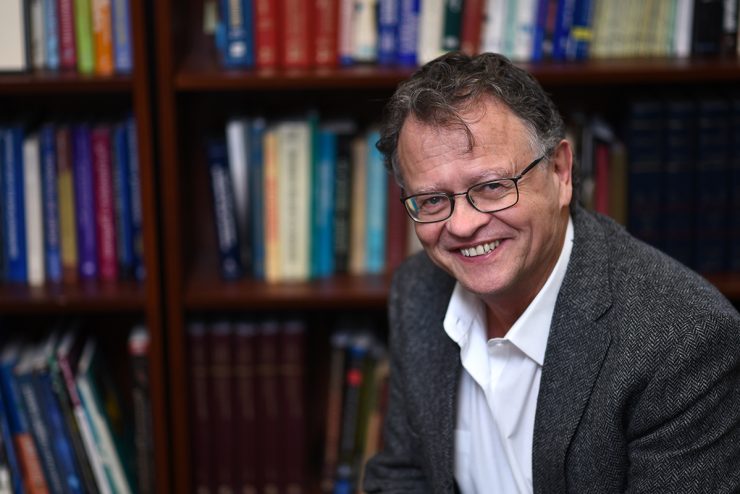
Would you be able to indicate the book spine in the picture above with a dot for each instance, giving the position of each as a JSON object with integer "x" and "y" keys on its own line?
{"x": 67, "y": 218}
{"x": 102, "y": 29}
{"x": 224, "y": 209}
{"x": 339, "y": 342}
{"x": 267, "y": 34}
{"x": 137, "y": 216}
{"x": 14, "y": 207}
{"x": 706, "y": 33}
{"x": 540, "y": 30}
{"x": 52, "y": 247}
{"x": 122, "y": 196}
{"x": 271, "y": 212}
{"x": 37, "y": 39}
{"x": 431, "y": 28}
{"x": 472, "y": 21}
{"x": 357, "y": 261}
{"x": 268, "y": 406}
{"x": 344, "y": 38}
{"x": 397, "y": 225}
{"x": 34, "y": 210}
{"x": 200, "y": 419}
{"x": 105, "y": 225}
{"x": 326, "y": 14}
{"x": 237, "y": 140}
{"x": 377, "y": 203}
{"x": 85, "y": 202}
{"x": 221, "y": 383}
{"x": 67, "y": 42}
{"x": 14, "y": 480}
{"x": 365, "y": 32}
{"x": 139, "y": 352}
{"x": 322, "y": 245}
{"x": 581, "y": 32}
{"x": 245, "y": 403}
{"x": 408, "y": 29}
{"x": 257, "y": 196}
{"x": 123, "y": 59}
{"x": 296, "y": 32}
{"x": 84, "y": 36}
{"x": 452, "y": 25}
{"x": 51, "y": 34}
{"x": 388, "y": 11}
{"x": 237, "y": 19}
{"x": 342, "y": 210}
{"x": 292, "y": 364}
{"x": 563, "y": 24}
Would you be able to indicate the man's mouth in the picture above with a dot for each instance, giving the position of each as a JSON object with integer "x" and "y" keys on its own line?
{"x": 481, "y": 249}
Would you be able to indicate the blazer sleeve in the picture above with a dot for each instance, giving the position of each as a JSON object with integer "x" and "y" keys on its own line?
{"x": 688, "y": 437}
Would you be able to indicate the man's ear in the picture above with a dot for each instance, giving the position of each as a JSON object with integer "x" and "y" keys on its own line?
{"x": 562, "y": 162}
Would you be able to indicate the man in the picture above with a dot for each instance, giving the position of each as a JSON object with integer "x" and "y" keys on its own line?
{"x": 537, "y": 347}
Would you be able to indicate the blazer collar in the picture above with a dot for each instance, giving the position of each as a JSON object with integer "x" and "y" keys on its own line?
{"x": 576, "y": 348}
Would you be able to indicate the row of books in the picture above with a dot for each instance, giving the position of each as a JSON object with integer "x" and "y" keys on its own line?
{"x": 65, "y": 426}
{"x": 300, "y": 199}
{"x": 71, "y": 203}
{"x": 88, "y": 36}
{"x": 248, "y": 385}
{"x": 304, "y": 33}
{"x": 672, "y": 176}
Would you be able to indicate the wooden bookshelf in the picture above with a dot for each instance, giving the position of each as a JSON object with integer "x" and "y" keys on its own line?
{"x": 70, "y": 95}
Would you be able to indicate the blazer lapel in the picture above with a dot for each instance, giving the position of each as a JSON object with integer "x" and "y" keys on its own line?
{"x": 576, "y": 348}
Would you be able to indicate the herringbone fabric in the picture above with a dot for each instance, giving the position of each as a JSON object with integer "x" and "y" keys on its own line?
{"x": 640, "y": 390}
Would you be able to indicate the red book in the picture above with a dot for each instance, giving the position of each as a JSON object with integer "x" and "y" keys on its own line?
{"x": 601, "y": 178}
{"x": 268, "y": 406}
{"x": 266, "y": 33}
{"x": 198, "y": 394}
{"x": 326, "y": 13}
{"x": 245, "y": 400}
{"x": 293, "y": 401}
{"x": 220, "y": 383}
{"x": 398, "y": 224}
{"x": 472, "y": 22}
{"x": 67, "y": 43}
{"x": 105, "y": 220}
{"x": 296, "y": 25}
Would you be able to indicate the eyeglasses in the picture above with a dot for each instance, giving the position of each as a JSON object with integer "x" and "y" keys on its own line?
{"x": 486, "y": 197}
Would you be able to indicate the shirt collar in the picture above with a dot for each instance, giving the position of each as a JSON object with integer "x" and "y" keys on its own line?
{"x": 530, "y": 331}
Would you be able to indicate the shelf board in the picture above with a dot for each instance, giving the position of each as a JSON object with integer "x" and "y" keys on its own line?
{"x": 92, "y": 297}
{"x": 727, "y": 283}
{"x": 344, "y": 291}
{"x": 202, "y": 72}
{"x": 46, "y": 81}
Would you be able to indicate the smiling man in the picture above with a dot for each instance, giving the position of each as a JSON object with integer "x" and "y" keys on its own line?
{"x": 536, "y": 347}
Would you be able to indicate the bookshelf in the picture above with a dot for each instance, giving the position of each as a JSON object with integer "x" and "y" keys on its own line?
{"x": 108, "y": 309}
{"x": 195, "y": 96}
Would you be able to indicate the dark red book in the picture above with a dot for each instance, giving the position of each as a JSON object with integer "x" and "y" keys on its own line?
{"x": 266, "y": 33}
{"x": 220, "y": 374}
{"x": 67, "y": 42}
{"x": 268, "y": 406}
{"x": 245, "y": 406}
{"x": 292, "y": 345}
{"x": 105, "y": 222}
{"x": 296, "y": 28}
{"x": 326, "y": 15}
{"x": 398, "y": 225}
{"x": 199, "y": 400}
{"x": 472, "y": 22}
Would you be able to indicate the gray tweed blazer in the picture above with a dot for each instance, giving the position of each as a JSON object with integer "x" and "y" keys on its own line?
{"x": 640, "y": 388}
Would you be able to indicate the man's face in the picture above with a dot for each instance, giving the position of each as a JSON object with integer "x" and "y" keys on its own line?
{"x": 527, "y": 237}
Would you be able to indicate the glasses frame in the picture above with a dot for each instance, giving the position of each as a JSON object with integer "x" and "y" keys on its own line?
{"x": 451, "y": 197}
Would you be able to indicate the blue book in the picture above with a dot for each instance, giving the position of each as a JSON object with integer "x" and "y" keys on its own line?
{"x": 122, "y": 197}
{"x": 408, "y": 31}
{"x": 51, "y": 33}
{"x": 563, "y": 24}
{"x": 14, "y": 216}
{"x": 123, "y": 60}
{"x": 256, "y": 195}
{"x": 50, "y": 194}
{"x": 540, "y": 28}
{"x": 581, "y": 31}
{"x": 7, "y": 442}
{"x": 322, "y": 236}
{"x": 84, "y": 202}
{"x": 224, "y": 209}
{"x": 134, "y": 180}
{"x": 388, "y": 13}
{"x": 238, "y": 32}
{"x": 377, "y": 204}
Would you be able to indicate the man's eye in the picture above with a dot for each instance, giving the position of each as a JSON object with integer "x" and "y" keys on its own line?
{"x": 431, "y": 203}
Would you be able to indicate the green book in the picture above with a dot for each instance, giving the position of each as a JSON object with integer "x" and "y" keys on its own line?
{"x": 84, "y": 37}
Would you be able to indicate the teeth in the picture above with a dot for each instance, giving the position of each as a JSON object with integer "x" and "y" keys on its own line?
{"x": 479, "y": 250}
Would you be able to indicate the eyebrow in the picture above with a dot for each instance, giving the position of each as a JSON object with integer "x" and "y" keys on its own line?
{"x": 494, "y": 173}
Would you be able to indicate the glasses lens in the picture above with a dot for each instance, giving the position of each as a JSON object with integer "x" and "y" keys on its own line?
{"x": 428, "y": 207}
{"x": 495, "y": 195}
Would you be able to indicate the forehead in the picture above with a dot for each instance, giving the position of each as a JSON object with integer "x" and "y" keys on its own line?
{"x": 430, "y": 154}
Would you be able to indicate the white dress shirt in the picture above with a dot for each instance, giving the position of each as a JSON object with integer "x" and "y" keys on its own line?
{"x": 497, "y": 394}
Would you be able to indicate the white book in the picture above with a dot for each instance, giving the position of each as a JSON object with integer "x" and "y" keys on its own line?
{"x": 344, "y": 36}
{"x": 13, "y": 49}
{"x": 365, "y": 31}
{"x": 38, "y": 43}
{"x": 682, "y": 28}
{"x": 358, "y": 211}
{"x": 431, "y": 30}
{"x": 526, "y": 18}
{"x": 34, "y": 210}
{"x": 494, "y": 26}
{"x": 294, "y": 154}
{"x": 237, "y": 145}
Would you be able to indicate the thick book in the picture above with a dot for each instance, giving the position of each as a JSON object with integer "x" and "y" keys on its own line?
{"x": 237, "y": 25}
{"x": 84, "y": 36}
{"x": 452, "y": 25}
{"x": 67, "y": 208}
{"x": 326, "y": 15}
{"x": 408, "y": 29}
{"x": 139, "y": 354}
{"x": 14, "y": 53}
{"x": 388, "y": 31}
{"x": 706, "y": 29}
{"x": 563, "y": 25}
{"x": 199, "y": 403}
{"x": 34, "y": 209}
{"x": 581, "y": 31}
{"x": 377, "y": 204}
{"x": 123, "y": 56}
{"x": 269, "y": 413}
{"x": 296, "y": 28}
{"x": 105, "y": 223}
{"x": 365, "y": 32}
{"x": 14, "y": 206}
{"x": 293, "y": 405}
{"x": 431, "y": 28}
{"x": 267, "y": 36}
{"x": 102, "y": 29}
{"x": 85, "y": 207}
{"x": 50, "y": 194}
{"x": 470, "y": 28}
{"x": 224, "y": 209}
{"x": 494, "y": 26}
{"x": 124, "y": 221}
{"x": 270, "y": 209}
{"x": 344, "y": 32}
{"x": 67, "y": 41}
{"x": 246, "y": 427}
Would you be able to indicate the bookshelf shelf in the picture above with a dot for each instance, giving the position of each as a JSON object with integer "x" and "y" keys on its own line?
{"x": 86, "y": 298}
{"x": 47, "y": 82}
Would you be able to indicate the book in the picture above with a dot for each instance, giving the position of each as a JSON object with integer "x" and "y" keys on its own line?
{"x": 123, "y": 56}
{"x": 408, "y": 29}
{"x": 67, "y": 41}
{"x": 85, "y": 207}
{"x": 293, "y": 400}
{"x": 257, "y": 196}
{"x": 224, "y": 209}
{"x": 323, "y": 194}
{"x": 326, "y": 13}
{"x": 84, "y": 36}
{"x": 388, "y": 11}
{"x": 344, "y": 37}
{"x": 123, "y": 214}
{"x": 199, "y": 400}
{"x": 34, "y": 209}
{"x": 102, "y": 31}
{"x": 139, "y": 353}
{"x": 431, "y": 29}
{"x": 266, "y": 33}
{"x": 236, "y": 16}
{"x": 683, "y": 29}
{"x": 376, "y": 209}
{"x": 296, "y": 29}
{"x": 397, "y": 225}
{"x": 221, "y": 385}
{"x": 706, "y": 28}
{"x": 365, "y": 32}
{"x": 14, "y": 205}
{"x": 270, "y": 210}
{"x": 51, "y": 33}
{"x": 237, "y": 142}
{"x": 105, "y": 223}
{"x": 50, "y": 202}
{"x": 137, "y": 216}
{"x": 37, "y": 41}
{"x": 563, "y": 25}
{"x": 452, "y": 25}
{"x": 357, "y": 255}
{"x": 14, "y": 55}
{"x": 13, "y": 480}
{"x": 581, "y": 32}
{"x": 343, "y": 197}
{"x": 245, "y": 406}
{"x": 471, "y": 23}
{"x": 67, "y": 208}
{"x": 268, "y": 405}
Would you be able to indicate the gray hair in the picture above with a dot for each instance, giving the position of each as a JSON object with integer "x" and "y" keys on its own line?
{"x": 445, "y": 89}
